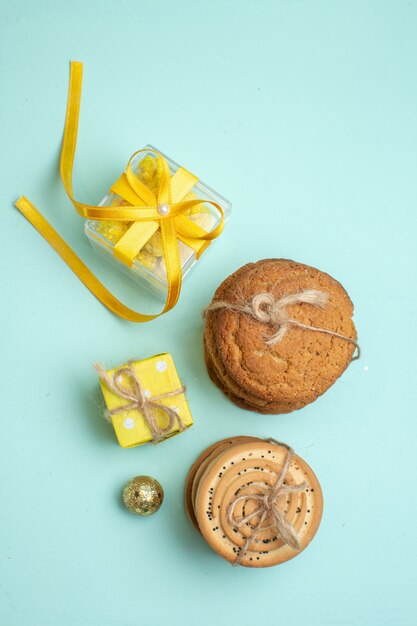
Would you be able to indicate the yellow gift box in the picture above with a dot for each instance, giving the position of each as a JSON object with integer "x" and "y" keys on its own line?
{"x": 145, "y": 400}
{"x": 137, "y": 248}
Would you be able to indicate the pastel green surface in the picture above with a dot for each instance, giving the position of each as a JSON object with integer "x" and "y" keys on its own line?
{"x": 304, "y": 115}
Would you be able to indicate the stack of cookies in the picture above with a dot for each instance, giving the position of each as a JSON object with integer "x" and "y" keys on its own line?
{"x": 254, "y": 501}
{"x": 278, "y": 335}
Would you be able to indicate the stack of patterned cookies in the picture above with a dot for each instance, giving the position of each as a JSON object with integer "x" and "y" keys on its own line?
{"x": 254, "y": 501}
{"x": 278, "y": 335}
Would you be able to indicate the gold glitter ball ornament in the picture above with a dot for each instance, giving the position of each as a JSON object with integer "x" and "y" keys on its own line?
{"x": 143, "y": 495}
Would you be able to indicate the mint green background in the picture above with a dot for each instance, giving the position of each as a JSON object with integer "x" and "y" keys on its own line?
{"x": 304, "y": 114}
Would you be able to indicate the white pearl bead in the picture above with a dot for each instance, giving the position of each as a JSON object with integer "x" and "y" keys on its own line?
{"x": 163, "y": 209}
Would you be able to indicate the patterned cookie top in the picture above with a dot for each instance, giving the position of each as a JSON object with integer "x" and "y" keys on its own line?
{"x": 304, "y": 364}
{"x": 230, "y": 491}
{"x": 198, "y": 467}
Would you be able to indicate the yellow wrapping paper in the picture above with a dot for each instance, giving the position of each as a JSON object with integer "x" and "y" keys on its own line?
{"x": 157, "y": 376}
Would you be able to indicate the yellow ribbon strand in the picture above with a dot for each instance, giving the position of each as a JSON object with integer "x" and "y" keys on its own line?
{"x": 78, "y": 267}
{"x": 142, "y": 212}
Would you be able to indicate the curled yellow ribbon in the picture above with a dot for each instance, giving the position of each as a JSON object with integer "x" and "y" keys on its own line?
{"x": 147, "y": 211}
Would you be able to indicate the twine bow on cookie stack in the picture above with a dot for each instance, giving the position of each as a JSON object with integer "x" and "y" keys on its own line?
{"x": 137, "y": 400}
{"x": 144, "y": 210}
{"x": 265, "y": 308}
{"x": 267, "y": 507}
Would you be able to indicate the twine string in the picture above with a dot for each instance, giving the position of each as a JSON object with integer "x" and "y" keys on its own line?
{"x": 267, "y": 507}
{"x": 136, "y": 400}
{"x": 265, "y": 308}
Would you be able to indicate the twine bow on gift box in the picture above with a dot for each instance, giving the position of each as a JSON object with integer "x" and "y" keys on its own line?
{"x": 137, "y": 400}
{"x": 146, "y": 211}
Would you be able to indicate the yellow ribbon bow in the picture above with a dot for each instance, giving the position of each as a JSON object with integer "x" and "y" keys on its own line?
{"x": 147, "y": 211}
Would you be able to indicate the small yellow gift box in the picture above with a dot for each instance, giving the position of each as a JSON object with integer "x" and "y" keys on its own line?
{"x": 137, "y": 248}
{"x": 145, "y": 400}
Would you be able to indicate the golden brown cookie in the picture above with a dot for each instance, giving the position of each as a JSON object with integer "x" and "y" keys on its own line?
{"x": 233, "y": 487}
{"x": 304, "y": 364}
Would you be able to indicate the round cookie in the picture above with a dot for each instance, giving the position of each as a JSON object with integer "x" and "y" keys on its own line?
{"x": 246, "y": 470}
{"x": 294, "y": 372}
{"x": 219, "y": 295}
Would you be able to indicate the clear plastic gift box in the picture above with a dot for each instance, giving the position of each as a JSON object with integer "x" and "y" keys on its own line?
{"x": 148, "y": 267}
